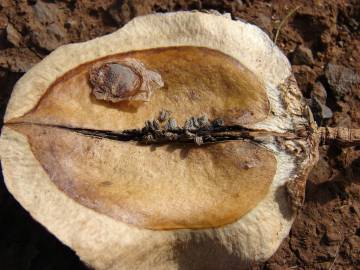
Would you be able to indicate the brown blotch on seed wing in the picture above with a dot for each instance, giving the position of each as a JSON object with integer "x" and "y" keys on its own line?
{"x": 127, "y": 79}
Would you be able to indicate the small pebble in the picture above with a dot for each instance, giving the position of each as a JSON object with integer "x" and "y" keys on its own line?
{"x": 341, "y": 79}
{"x": 319, "y": 92}
{"x": 332, "y": 235}
{"x": 13, "y": 36}
{"x": 302, "y": 56}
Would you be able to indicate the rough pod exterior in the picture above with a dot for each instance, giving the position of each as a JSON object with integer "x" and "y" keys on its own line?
{"x": 213, "y": 185}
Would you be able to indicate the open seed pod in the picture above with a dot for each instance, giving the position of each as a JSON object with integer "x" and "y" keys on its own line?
{"x": 213, "y": 185}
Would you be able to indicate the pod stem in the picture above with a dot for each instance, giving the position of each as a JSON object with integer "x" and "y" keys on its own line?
{"x": 343, "y": 136}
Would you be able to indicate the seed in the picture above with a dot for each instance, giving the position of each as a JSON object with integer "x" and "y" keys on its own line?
{"x": 217, "y": 123}
{"x": 171, "y": 136}
{"x": 148, "y": 126}
{"x": 191, "y": 123}
{"x": 198, "y": 140}
{"x": 164, "y": 115}
{"x": 203, "y": 121}
{"x": 148, "y": 138}
{"x": 171, "y": 124}
{"x": 156, "y": 125}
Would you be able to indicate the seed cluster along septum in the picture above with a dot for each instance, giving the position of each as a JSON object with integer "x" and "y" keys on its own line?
{"x": 165, "y": 128}
{"x": 198, "y": 130}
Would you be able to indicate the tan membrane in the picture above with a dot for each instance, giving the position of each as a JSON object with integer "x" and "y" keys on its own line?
{"x": 164, "y": 187}
{"x": 197, "y": 81}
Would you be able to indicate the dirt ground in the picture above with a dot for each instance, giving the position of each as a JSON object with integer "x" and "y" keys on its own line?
{"x": 321, "y": 39}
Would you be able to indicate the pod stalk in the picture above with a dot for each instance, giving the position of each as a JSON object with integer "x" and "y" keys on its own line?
{"x": 344, "y": 136}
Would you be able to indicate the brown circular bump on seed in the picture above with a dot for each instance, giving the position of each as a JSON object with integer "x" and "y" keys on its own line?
{"x": 215, "y": 189}
{"x": 123, "y": 80}
{"x": 113, "y": 81}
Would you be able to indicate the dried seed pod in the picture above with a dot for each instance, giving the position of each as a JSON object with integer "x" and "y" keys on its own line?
{"x": 176, "y": 205}
{"x": 127, "y": 79}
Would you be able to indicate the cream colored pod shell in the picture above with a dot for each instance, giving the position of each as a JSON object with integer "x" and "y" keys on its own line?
{"x": 104, "y": 243}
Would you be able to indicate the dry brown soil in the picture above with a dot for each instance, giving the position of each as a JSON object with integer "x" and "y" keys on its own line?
{"x": 326, "y": 234}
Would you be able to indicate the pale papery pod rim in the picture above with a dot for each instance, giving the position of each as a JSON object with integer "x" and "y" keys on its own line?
{"x": 105, "y": 243}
